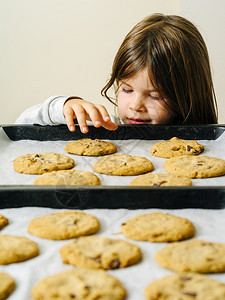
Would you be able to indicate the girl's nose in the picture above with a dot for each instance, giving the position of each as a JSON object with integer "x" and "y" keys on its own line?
{"x": 137, "y": 104}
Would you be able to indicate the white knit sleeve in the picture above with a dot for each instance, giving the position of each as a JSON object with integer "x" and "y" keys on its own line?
{"x": 50, "y": 112}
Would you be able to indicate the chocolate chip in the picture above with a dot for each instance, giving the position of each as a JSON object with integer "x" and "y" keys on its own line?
{"x": 206, "y": 244}
{"x": 191, "y": 294}
{"x": 115, "y": 264}
{"x": 163, "y": 182}
{"x": 189, "y": 148}
{"x": 157, "y": 234}
{"x": 97, "y": 259}
{"x": 174, "y": 148}
{"x": 72, "y": 296}
{"x": 159, "y": 183}
{"x": 186, "y": 278}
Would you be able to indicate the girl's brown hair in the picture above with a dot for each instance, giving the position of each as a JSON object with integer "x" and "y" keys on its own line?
{"x": 176, "y": 57}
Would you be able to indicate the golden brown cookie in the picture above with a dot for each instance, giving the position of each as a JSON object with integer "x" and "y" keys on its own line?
{"x": 3, "y": 221}
{"x": 158, "y": 227}
{"x": 82, "y": 284}
{"x": 176, "y": 147}
{"x": 185, "y": 286}
{"x": 99, "y": 252}
{"x": 68, "y": 177}
{"x": 7, "y": 285}
{"x": 16, "y": 249}
{"x": 193, "y": 256}
{"x": 195, "y": 167}
{"x": 122, "y": 164}
{"x": 161, "y": 179}
{"x": 64, "y": 225}
{"x": 90, "y": 147}
{"x": 42, "y": 163}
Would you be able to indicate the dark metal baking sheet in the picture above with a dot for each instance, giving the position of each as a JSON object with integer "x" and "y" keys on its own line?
{"x": 124, "y": 132}
{"x": 85, "y": 197}
{"x": 112, "y": 197}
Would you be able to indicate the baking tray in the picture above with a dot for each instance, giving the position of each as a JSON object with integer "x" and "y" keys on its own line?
{"x": 113, "y": 197}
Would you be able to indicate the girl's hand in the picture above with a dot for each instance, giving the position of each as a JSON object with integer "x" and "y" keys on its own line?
{"x": 82, "y": 111}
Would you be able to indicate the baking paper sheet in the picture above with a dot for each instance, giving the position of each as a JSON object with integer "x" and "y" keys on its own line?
{"x": 209, "y": 225}
{"x": 9, "y": 150}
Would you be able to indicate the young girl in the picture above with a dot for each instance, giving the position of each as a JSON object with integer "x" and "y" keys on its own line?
{"x": 161, "y": 75}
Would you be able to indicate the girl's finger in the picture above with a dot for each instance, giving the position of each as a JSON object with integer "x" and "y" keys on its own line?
{"x": 103, "y": 112}
{"x": 80, "y": 114}
{"x": 94, "y": 114}
{"x": 106, "y": 121}
{"x": 100, "y": 117}
{"x": 69, "y": 116}
{"x": 110, "y": 125}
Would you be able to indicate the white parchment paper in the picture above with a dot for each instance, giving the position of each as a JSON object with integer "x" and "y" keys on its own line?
{"x": 209, "y": 225}
{"x": 9, "y": 150}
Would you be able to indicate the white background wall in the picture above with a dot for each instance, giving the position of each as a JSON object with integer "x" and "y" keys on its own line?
{"x": 55, "y": 47}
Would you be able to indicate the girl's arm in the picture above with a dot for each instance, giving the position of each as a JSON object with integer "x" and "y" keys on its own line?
{"x": 50, "y": 112}
{"x": 67, "y": 110}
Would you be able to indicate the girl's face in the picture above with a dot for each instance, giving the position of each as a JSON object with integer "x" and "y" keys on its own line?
{"x": 140, "y": 103}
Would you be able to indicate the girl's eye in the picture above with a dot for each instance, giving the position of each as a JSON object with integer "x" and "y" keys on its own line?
{"x": 127, "y": 91}
{"x": 153, "y": 97}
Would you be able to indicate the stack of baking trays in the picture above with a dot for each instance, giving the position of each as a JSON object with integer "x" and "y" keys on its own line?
{"x": 113, "y": 202}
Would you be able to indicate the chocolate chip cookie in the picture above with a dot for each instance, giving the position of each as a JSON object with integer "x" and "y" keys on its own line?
{"x": 99, "y": 252}
{"x": 193, "y": 256}
{"x": 185, "y": 286}
{"x": 176, "y": 147}
{"x": 15, "y": 249}
{"x": 161, "y": 179}
{"x": 68, "y": 177}
{"x": 90, "y": 147}
{"x": 3, "y": 221}
{"x": 122, "y": 164}
{"x": 195, "y": 167}
{"x": 64, "y": 225}
{"x": 40, "y": 163}
{"x": 7, "y": 285}
{"x": 158, "y": 227}
{"x": 82, "y": 284}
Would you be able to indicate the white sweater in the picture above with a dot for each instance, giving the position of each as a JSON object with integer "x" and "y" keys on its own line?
{"x": 50, "y": 112}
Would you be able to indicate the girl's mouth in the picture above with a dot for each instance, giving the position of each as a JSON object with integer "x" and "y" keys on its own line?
{"x": 138, "y": 121}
